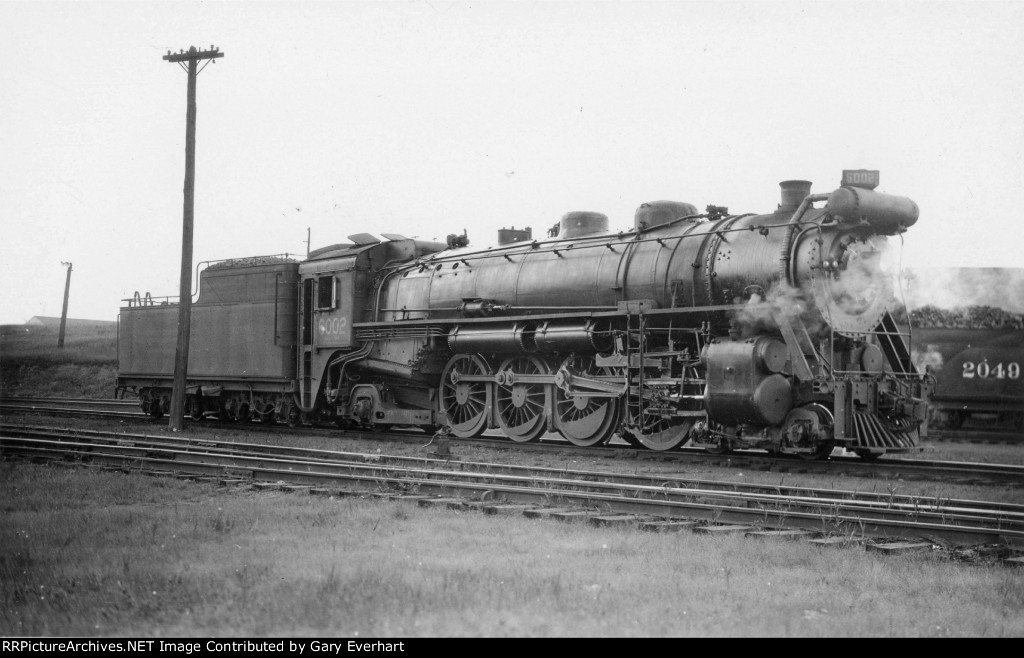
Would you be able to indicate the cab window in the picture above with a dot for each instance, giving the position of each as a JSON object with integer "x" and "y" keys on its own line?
{"x": 325, "y": 293}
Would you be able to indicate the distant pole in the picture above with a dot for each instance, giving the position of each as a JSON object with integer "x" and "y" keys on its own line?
{"x": 309, "y": 236}
{"x": 192, "y": 57}
{"x": 64, "y": 312}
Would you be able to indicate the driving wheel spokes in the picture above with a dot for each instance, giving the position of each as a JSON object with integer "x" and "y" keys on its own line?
{"x": 522, "y": 407}
{"x": 585, "y": 421}
{"x": 466, "y": 403}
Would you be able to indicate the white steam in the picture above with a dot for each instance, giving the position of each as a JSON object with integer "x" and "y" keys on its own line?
{"x": 930, "y": 357}
{"x": 781, "y": 302}
{"x": 958, "y": 287}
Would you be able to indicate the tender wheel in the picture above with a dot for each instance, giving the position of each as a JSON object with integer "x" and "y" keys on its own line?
{"x": 152, "y": 407}
{"x": 244, "y": 413}
{"x": 293, "y": 417}
{"x": 227, "y": 411}
{"x": 195, "y": 407}
{"x": 522, "y": 406}
{"x": 466, "y": 403}
{"x": 269, "y": 415}
{"x": 581, "y": 420}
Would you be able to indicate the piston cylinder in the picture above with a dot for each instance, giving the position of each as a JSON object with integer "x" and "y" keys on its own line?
{"x": 744, "y": 384}
{"x": 514, "y": 339}
{"x": 585, "y": 336}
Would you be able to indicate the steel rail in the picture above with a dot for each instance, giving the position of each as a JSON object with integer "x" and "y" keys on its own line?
{"x": 972, "y": 472}
{"x": 769, "y": 510}
{"x": 879, "y": 499}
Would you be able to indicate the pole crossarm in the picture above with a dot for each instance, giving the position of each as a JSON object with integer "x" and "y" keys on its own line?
{"x": 193, "y": 54}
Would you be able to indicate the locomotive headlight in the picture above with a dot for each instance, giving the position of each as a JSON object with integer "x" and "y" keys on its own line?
{"x": 857, "y": 283}
{"x": 859, "y": 289}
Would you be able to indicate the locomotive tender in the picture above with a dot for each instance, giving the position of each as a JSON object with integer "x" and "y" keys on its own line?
{"x": 978, "y": 378}
{"x": 729, "y": 331}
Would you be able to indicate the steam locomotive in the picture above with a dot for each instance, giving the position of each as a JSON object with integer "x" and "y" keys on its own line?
{"x": 727, "y": 331}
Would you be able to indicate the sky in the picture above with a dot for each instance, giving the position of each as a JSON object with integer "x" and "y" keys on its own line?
{"x": 430, "y": 118}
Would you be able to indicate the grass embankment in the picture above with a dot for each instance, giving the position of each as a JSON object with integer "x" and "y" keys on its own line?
{"x": 105, "y": 554}
{"x": 32, "y": 365}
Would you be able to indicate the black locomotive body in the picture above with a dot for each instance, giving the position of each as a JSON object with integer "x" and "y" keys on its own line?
{"x": 730, "y": 331}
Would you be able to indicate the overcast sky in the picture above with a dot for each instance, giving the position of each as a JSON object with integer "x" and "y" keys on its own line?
{"x": 427, "y": 118}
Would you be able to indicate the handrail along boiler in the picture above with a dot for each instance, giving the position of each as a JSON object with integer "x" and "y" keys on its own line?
{"x": 730, "y": 331}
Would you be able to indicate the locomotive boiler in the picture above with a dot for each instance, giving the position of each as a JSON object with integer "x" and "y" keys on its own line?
{"x": 729, "y": 331}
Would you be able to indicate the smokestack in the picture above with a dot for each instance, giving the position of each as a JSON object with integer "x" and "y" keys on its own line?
{"x": 793, "y": 192}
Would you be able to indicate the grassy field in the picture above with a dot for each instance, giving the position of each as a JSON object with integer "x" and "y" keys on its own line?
{"x": 107, "y": 554}
{"x": 31, "y": 364}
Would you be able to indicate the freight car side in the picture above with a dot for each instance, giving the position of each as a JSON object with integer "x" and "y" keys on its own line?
{"x": 242, "y": 342}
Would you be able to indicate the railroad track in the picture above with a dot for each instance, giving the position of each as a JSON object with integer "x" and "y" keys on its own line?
{"x": 78, "y": 407}
{"x": 1007, "y": 437}
{"x": 845, "y": 466}
{"x": 884, "y": 522}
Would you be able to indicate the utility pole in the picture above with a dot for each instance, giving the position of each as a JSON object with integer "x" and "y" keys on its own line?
{"x": 192, "y": 58}
{"x": 308, "y": 238}
{"x": 64, "y": 312}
